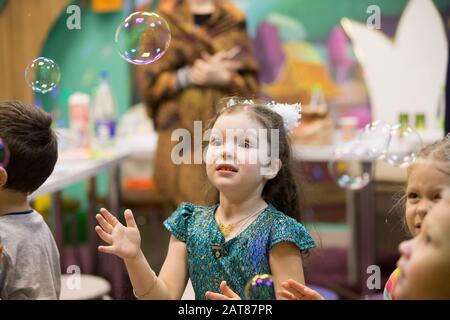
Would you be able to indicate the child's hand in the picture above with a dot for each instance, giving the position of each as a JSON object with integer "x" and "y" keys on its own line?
{"x": 294, "y": 290}
{"x": 124, "y": 242}
{"x": 228, "y": 294}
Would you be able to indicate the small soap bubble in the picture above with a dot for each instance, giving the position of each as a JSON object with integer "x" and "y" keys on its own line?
{"x": 376, "y": 138}
{"x": 142, "y": 38}
{"x": 260, "y": 287}
{"x": 42, "y": 75}
{"x": 348, "y": 165}
{"x": 404, "y": 145}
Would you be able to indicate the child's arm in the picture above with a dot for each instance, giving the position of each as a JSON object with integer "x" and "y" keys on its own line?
{"x": 287, "y": 270}
{"x": 285, "y": 262}
{"x": 125, "y": 243}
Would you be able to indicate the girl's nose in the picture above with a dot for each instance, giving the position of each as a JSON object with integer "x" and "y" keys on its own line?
{"x": 424, "y": 207}
{"x": 405, "y": 248}
{"x": 227, "y": 151}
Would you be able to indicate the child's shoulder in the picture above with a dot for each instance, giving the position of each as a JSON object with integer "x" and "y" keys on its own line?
{"x": 23, "y": 225}
{"x": 389, "y": 288}
{"x": 194, "y": 210}
{"x": 187, "y": 212}
{"x": 287, "y": 229}
{"x": 185, "y": 216}
{"x": 279, "y": 217}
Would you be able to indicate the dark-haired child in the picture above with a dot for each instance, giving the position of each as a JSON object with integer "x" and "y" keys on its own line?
{"x": 29, "y": 265}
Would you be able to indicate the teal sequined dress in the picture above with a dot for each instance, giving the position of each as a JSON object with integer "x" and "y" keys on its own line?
{"x": 211, "y": 259}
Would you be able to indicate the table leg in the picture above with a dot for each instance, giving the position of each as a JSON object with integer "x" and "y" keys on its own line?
{"x": 91, "y": 255}
{"x": 352, "y": 256}
{"x": 116, "y": 266}
{"x": 361, "y": 219}
{"x": 58, "y": 226}
{"x": 367, "y": 230}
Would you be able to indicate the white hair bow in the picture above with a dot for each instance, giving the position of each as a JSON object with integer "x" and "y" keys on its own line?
{"x": 291, "y": 113}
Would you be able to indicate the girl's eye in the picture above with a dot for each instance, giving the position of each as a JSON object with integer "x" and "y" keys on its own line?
{"x": 215, "y": 142}
{"x": 245, "y": 144}
{"x": 413, "y": 195}
{"x": 437, "y": 196}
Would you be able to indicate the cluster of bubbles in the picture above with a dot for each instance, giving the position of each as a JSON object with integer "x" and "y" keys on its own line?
{"x": 260, "y": 287}
{"x": 395, "y": 144}
{"x": 141, "y": 38}
{"x": 3, "y": 154}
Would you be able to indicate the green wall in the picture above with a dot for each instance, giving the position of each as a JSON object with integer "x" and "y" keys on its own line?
{"x": 320, "y": 16}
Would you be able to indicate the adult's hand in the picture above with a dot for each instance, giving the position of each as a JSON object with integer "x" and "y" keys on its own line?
{"x": 215, "y": 70}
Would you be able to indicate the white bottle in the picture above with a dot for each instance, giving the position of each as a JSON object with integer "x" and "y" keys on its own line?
{"x": 104, "y": 114}
{"x": 79, "y": 119}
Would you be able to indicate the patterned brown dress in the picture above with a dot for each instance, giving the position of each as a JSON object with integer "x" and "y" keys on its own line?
{"x": 172, "y": 107}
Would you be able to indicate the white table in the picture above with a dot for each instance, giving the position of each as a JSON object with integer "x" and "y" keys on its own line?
{"x": 68, "y": 172}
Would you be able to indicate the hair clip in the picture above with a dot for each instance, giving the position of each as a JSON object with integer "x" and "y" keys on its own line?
{"x": 291, "y": 113}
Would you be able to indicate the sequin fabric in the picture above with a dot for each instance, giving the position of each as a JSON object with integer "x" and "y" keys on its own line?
{"x": 238, "y": 260}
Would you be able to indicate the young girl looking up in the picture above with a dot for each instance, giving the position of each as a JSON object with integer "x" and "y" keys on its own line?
{"x": 250, "y": 231}
{"x": 424, "y": 265}
{"x": 427, "y": 177}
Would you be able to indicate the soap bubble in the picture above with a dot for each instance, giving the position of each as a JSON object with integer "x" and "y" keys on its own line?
{"x": 404, "y": 145}
{"x": 142, "y": 38}
{"x": 260, "y": 287}
{"x": 42, "y": 75}
{"x": 376, "y": 137}
{"x": 4, "y": 157}
{"x": 349, "y": 166}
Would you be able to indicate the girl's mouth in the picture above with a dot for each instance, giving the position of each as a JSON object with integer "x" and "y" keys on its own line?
{"x": 226, "y": 168}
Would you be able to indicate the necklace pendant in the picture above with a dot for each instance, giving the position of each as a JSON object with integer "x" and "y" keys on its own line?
{"x": 225, "y": 229}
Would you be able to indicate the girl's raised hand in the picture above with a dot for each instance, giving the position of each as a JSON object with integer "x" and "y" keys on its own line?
{"x": 294, "y": 290}
{"x": 227, "y": 293}
{"x": 124, "y": 241}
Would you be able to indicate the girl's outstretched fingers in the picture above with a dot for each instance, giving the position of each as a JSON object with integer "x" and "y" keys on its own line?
{"x": 106, "y": 249}
{"x": 109, "y": 217}
{"x": 227, "y": 293}
{"x": 103, "y": 235}
{"x": 103, "y": 223}
{"x": 129, "y": 218}
{"x": 286, "y": 295}
{"x": 226, "y": 290}
{"x": 300, "y": 291}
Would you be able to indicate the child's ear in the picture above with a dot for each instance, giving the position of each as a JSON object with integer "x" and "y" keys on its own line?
{"x": 3, "y": 177}
{"x": 272, "y": 170}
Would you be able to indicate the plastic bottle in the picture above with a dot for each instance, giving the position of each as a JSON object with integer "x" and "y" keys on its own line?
{"x": 79, "y": 119}
{"x": 104, "y": 114}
